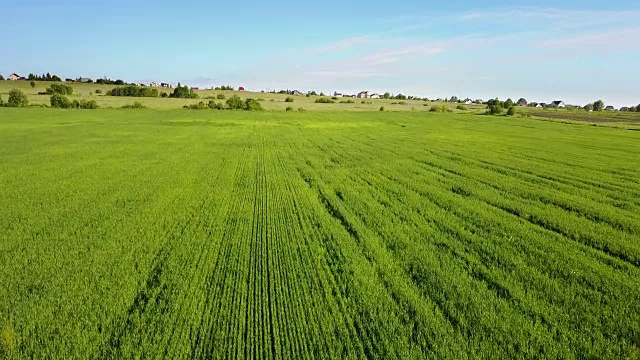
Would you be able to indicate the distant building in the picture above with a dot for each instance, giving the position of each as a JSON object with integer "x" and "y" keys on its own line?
{"x": 153, "y": 84}
{"x": 363, "y": 95}
{"x": 167, "y": 85}
{"x": 468, "y": 102}
{"x": 624, "y": 108}
{"x": 337, "y": 94}
{"x": 195, "y": 89}
{"x": 523, "y": 102}
{"x": 85, "y": 80}
{"x": 374, "y": 96}
{"x": 241, "y": 88}
{"x": 610, "y": 108}
{"x": 296, "y": 92}
{"x": 69, "y": 80}
{"x": 14, "y": 77}
{"x": 558, "y": 104}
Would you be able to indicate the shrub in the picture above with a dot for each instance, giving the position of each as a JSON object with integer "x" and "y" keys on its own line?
{"x": 260, "y": 99}
{"x": 61, "y": 89}
{"x": 62, "y": 102}
{"x": 221, "y": 96}
{"x": 402, "y": 103}
{"x": 289, "y": 108}
{"x": 33, "y": 84}
{"x": 334, "y": 98}
{"x": 17, "y": 99}
{"x": 164, "y": 95}
{"x": 302, "y": 109}
{"x": 347, "y": 102}
{"x": 183, "y": 92}
{"x": 289, "y": 99}
{"x": 324, "y": 100}
{"x": 199, "y": 106}
{"x": 235, "y": 103}
{"x": 98, "y": 91}
{"x": 252, "y": 105}
{"x": 461, "y": 107}
{"x": 381, "y": 108}
{"x": 439, "y": 108}
{"x": 216, "y": 106}
{"x": 494, "y": 110}
{"x": 1, "y": 101}
{"x": 135, "y": 105}
{"x": 511, "y": 111}
{"x": 59, "y": 101}
{"x": 135, "y": 91}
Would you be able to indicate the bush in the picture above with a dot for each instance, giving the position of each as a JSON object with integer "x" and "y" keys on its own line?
{"x": 221, "y": 96}
{"x": 33, "y": 84}
{"x": 461, "y": 107}
{"x": 216, "y": 106}
{"x": 135, "y": 105}
{"x": 59, "y": 101}
{"x": 252, "y": 105}
{"x": 334, "y": 98}
{"x": 494, "y": 110}
{"x": 199, "y": 106}
{"x": 289, "y": 99}
{"x": 235, "y": 103}
{"x": 324, "y": 100}
{"x": 135, "y": 91}
{"x": 98, "y": 91}
{"x": 302, "y": 109}
{"x": 511, "y": 111}
{"x": 260, "y": 99}
{"x": 289, "y": 108}
{"x": 61, "y": 89}
{"x": 347, "y": 102}
{"x": 62, "y": 102}
{"x": 17, "y": 99}
{"x": 439, "y": 108}
{"x": 164, "y": 95}
{"x": 183, "y": 92}
{"x": 381, "y": 108}
{"x": 402, "y": 103}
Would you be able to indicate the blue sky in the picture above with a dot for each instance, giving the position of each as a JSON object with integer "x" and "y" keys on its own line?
{"x": 579, "y": 51}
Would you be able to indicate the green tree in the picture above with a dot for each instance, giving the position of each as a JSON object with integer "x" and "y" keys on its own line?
{"x": 588, "y": 107}
{"x": 1, "y": 101}
{"x": 17, "y": 99}
{"x": 511, "y": 111}
{"x": 253, "y": 105}
{"x": 638, "y": 108}
{"x": 387, "y": 95}
{"x": 235, "y": 103}
{"x": 59, "y": 101}
{"x": 508, "y": 103}
{"x": 598, "y": 105}
{"x": 33, "y": 84}
{"x": 1, "y": 77}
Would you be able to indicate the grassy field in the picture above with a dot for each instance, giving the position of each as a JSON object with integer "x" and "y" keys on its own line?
{"x": 204, "y": 234}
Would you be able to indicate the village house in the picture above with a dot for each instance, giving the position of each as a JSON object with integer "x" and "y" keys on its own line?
{"x": 153, "y": 84}
{"x": 296, "y": 92}
{"x": 523, "y": 102}
{"x": 610, "y": 108}
{"x": 374, "y": 96}
{"x": 14, "y": 77}
{"x": 558, "y": 104}
{"x": 167, "y": 85}
{"x": 363, "y": 95}
{"x": 468, "y": 102}
{"x": 624, "y": 108}
{"x": 84, "y": 80}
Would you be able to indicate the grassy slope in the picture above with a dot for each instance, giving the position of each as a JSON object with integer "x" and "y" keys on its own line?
{"x": 328, "y": 234}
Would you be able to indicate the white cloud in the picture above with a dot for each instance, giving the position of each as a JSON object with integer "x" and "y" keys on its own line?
{"x": 602, "y": 38}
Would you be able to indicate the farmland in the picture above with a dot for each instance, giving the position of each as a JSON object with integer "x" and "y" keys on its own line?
{"x": 325, "y": 234}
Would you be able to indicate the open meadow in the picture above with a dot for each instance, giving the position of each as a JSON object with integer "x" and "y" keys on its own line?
{"x": 325, "y": 234}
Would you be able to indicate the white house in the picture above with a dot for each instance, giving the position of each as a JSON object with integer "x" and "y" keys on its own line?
{"x": 363, "y": 95}
{"x": 610, "y": 108}
{"x": 468, "y": 102}
{"x": 14, "y": 77}
{"x": 374, "y": 96}
{"x": 153, "y": 84}
{"x": 558, "y": 104}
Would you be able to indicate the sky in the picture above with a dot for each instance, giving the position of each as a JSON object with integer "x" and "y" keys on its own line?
{"x": 576, "y": 51}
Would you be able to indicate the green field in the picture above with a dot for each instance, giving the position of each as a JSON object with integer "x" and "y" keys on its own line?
{"x": 325, "y": 234}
